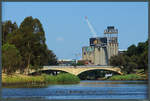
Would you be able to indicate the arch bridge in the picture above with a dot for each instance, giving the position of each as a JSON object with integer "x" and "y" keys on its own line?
{"x": 76, "y": 70}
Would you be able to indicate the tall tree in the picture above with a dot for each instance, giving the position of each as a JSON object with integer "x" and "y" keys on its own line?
{"x": 34, "y": 40}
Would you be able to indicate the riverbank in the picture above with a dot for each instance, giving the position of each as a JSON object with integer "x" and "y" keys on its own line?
{"x": 38, "y": 81}
{"x": 128, "y": 77}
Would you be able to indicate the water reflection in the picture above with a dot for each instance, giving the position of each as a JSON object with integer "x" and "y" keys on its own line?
{"x": 111, "y": 83}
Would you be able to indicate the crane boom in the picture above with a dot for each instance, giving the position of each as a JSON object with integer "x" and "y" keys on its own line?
{"x": 90, "y": 26}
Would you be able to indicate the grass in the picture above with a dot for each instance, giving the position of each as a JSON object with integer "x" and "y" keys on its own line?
{"x": 43, "y": 79}
{"x": 127, "y": 77}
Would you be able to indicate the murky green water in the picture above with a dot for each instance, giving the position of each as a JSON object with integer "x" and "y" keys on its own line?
{"x": 84, "y": 90}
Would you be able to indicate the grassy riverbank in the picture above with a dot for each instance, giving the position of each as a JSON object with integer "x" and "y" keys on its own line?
{"x": 43, "y": 79}
{"x": 128, "y": 77}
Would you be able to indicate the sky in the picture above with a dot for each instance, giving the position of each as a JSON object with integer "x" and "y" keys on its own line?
{"x": 66, "y": 29}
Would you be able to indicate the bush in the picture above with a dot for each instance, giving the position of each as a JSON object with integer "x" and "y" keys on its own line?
{"x": 126, "y": 77}
{"x": 67, "y": 78}
{"x": 49, "y": 78}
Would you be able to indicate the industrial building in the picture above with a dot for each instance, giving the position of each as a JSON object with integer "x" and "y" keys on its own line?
{"x": 100, "y": 49}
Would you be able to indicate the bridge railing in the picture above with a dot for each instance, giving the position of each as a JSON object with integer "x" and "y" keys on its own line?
{"x": 76, "y": 66}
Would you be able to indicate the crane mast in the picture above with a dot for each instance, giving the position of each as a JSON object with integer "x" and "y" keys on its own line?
{"x": 90, "y": 26}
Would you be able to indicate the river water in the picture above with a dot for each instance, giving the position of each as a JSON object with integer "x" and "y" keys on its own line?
{"x": 84, "y": 90}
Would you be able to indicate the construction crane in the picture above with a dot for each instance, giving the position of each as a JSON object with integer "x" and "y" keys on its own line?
{"x": 90, "y": 26}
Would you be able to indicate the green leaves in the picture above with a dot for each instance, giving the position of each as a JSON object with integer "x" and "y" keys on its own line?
{"x": 11, "y": 59}
{"x": 126, "y": 77}
{"x": 8, "y": 28}
{"x": 29, "y": 40}
{"x": 136, "y": 57}
{"x": 117, "y": 60}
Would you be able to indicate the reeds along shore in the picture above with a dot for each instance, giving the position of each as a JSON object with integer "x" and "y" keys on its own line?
{"x": 43, "y": 79}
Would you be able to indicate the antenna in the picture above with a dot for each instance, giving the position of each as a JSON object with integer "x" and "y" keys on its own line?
{"x": 90, "y": 26}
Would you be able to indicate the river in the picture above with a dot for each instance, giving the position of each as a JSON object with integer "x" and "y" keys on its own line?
{"x": 84, "y": 90}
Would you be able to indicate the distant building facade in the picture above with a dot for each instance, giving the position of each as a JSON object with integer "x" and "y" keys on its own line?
{"x": 101, "y": 48}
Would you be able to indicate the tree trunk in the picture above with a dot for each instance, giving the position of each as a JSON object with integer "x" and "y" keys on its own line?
{"x": 29, "y": 58}
{"x": 28, "y": 66}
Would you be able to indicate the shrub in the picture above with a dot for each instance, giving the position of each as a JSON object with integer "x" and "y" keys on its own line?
{"x": 126, "y": 77}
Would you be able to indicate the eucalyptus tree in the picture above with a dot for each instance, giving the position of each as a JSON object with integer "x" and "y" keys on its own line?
{"x": 34, "y": 48}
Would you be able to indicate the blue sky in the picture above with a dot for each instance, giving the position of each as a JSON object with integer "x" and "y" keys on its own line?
{"x": 66, "y": 29}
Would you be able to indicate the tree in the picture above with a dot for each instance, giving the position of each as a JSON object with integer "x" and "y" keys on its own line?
{"x": 124, "y": 62}
{"x": 7, "y": 28}
{"x": 29, "y": 39}
{"x": 11, "y": 59}
{"x": 136, "y": 57}
{"x": 37, "y": 52}
{"x": 141, "y": 48}
{"x": 132, "y": 50}
{"x": 143, "y": 61}
{"x": 52, "y": 59}
{"x": 130, "y": 67}
{"x": 117, "y": 60}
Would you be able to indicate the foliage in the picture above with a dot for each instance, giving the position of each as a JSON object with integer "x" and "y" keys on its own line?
{"x": 143, "y": 61}
{"x": 67, "y": 78}
{"x": 7, "y": 28}
{"x": 136, "y": 57}
{"x": 49, "y": 78}
{"x": 52, "y": 60}
{"x": 29, "y": 39}
{"x": 126, "y": 77}
{"x": 11, "y": 59}
{"x": 131, "y": 50}
{"x": 117, "y": 60}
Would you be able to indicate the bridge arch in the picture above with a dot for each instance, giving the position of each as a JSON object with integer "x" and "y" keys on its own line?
{"x": 98, "y": 69}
